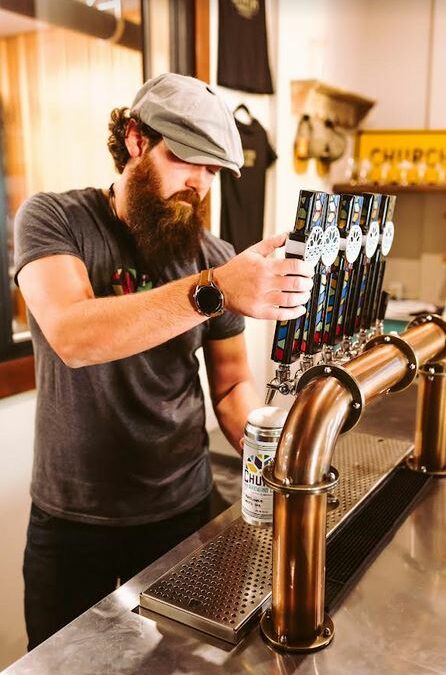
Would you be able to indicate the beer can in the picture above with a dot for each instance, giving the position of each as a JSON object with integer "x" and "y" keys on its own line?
{"x": 262, "y": 433}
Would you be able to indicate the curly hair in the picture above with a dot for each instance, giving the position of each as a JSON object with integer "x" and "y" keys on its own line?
{"x": 119, "y": 120}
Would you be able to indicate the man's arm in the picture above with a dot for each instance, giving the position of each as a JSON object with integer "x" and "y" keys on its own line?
{"x": 231, "y": 385}
{"x": 84, "y": 330}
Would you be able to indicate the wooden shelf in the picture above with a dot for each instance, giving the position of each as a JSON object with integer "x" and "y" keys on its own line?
{"x": 388, "y": 189}
{"x": 313, "y": 97}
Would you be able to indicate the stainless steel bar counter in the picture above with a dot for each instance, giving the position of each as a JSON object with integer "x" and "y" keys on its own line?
{"x": 392, "y": 621}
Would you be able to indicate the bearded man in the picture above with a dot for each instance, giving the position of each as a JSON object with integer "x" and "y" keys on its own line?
{"x": 121, "y": 469}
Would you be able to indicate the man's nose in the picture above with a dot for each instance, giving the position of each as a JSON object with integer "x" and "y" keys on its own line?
{"x": 199, "y": 179}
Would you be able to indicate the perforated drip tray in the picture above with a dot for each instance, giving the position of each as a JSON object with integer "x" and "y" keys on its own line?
{"x": 223, "y": 586}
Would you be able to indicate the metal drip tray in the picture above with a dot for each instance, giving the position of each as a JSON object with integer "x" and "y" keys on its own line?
{"x": 223, "y": 586}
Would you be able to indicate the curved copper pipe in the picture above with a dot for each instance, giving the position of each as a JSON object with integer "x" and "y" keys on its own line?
{"x": 319, "y": 411}
{"x": 310, "y": 432}
{"x": 427, "y": 340}
{"x": 430, "y": 432}
{"x": 303, "y": 458}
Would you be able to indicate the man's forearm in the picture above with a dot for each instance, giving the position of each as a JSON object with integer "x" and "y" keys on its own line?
{"x": 84, "y": 330}
{"x": 233, "y": 410}
{"x": 98, "y": 330}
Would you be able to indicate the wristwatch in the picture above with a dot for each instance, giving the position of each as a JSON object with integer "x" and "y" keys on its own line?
{"x": 208, "y": 298}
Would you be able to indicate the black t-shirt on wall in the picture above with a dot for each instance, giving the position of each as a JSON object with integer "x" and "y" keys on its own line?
{"x": 243, "y": 47}
{"x": 243, "y": 199}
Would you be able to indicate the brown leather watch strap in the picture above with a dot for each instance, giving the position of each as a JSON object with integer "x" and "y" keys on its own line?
{"x": 206, "y": 277}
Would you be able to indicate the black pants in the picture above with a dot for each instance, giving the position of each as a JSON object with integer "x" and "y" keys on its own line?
{"x": 70, "y": 566}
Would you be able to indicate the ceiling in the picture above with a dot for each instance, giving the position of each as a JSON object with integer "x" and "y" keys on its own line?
{"x": 13, "y": 24}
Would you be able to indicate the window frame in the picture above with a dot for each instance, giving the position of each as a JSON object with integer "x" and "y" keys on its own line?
{"x": 9, "y": 349}
{"x": 187, "y": 17}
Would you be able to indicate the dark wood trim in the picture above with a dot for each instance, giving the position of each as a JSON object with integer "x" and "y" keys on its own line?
{"x": 202, "y": 39}
{"x": 5, "y": 296}
{"x": 74, "y": 15}
{"x": 202, "y": 67}
{"x": 12, "y": 351}
{"x": 182, "y": 36}
{"x": 17, "y": 376}
{"x": 146, "y": 40}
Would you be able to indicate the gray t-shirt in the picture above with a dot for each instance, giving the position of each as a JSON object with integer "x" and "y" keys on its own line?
{"x": 124, "y": 442}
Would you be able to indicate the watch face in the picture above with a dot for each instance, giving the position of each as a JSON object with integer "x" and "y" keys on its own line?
{"x": 208, "y": 299}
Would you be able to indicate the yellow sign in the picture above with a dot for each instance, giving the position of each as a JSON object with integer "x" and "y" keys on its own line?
{"x": 402, "y": 157}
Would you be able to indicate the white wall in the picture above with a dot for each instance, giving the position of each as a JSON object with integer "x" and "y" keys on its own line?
{"x": 16, "y": 440}
{"x": 436, "y": 106}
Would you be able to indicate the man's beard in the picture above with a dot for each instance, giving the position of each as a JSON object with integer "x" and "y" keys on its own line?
{"x": 165, "y": 230}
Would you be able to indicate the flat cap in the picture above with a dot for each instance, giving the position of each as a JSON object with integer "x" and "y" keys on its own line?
{"x": 195, "y": 122}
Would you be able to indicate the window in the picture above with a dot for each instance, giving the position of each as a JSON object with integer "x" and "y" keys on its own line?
{"x": 64, "y": 65}
{"x": 63, "y": 68}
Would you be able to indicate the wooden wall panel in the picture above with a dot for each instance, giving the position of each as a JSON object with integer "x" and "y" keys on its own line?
{"x": 17, "y": 376}
{"x": 202, "y": 40}
{"x": 57, "y": 89}
{"x": 202, "y": 61}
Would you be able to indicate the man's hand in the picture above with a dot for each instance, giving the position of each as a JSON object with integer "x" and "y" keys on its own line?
{"x": 84, "y": 330}
{"x": 257, "y": 285}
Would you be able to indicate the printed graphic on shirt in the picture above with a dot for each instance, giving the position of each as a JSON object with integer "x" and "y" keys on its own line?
{"x": 246, "y": 8}
{"x": 249, "y": 157}
{"x": 126, "y": 281}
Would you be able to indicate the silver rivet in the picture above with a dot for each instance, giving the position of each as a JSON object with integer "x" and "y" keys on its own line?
{"x": 327, "y": 370}
{"x": 412, "y": 366}
{"x": 423, "y": 469}
{"x": 386, "y": 338}
{"x": 283, "y": 640}
{"x": 356, "y": 405}
{"x": 327, "y": 632}
{"x": 286, "y": 481}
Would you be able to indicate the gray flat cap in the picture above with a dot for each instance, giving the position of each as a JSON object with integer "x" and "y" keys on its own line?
{"x": 196, "y": 124}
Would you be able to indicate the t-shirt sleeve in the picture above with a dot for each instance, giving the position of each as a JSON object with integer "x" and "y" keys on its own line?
{"x": 41, "y": 229}
{"x": 228, "y": 324}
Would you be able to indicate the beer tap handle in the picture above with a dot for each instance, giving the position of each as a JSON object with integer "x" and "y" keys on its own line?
{"x": 388, "y": 231}
{"x": 382, "y": 308}
{"x": 329, "y": 259}
{"x": 376, "y": 268}
{"x": 305, "y": 337}
{"x": 370, "y": 229}
{"x": 304, "y": 243}
{"x": 351, "y": 242}
{"x": 383, "y": 303}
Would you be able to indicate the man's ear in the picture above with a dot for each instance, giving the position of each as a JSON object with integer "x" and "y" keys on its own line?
{"x": 135, "y": 142}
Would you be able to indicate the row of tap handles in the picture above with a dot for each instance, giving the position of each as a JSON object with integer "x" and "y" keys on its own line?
{"x": 347, "y": 238}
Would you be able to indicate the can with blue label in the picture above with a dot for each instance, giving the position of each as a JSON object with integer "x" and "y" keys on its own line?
{"x": 262, "y": 433}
